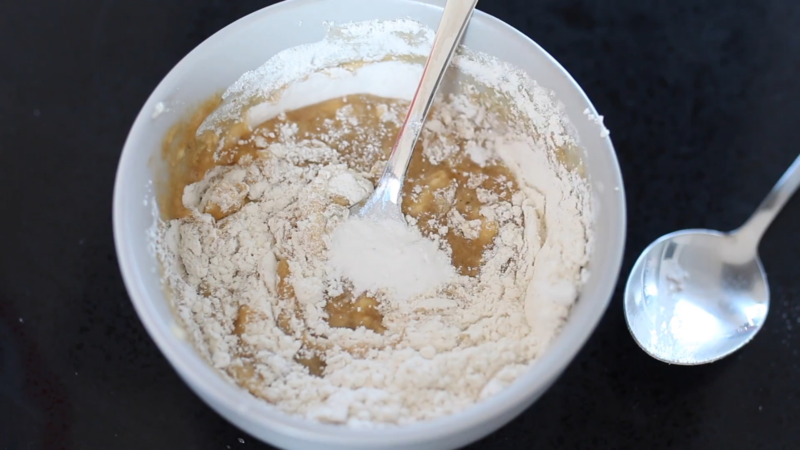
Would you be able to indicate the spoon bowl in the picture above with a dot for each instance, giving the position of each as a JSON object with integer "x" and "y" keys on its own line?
{"x": 693, "y": 297}
{"x": 696, "y": 296}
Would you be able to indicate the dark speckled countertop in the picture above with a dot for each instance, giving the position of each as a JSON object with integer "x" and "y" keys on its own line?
{"x": 702, "y": 101}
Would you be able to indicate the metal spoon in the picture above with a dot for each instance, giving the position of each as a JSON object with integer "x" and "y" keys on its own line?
{"x": 384, "y": 203}
{"x": 696, "y": 296}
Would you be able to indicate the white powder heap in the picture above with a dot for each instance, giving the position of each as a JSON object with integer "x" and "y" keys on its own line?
{"x": 387, "y": 255}
{"x": 449, "y": 340}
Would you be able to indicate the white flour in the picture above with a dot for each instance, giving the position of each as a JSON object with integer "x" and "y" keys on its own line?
{"x": 388, "y": 255}
{"x": 450, "y": 340}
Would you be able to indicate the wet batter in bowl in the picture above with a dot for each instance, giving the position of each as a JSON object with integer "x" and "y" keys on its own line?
{"x": 249, "y": 251}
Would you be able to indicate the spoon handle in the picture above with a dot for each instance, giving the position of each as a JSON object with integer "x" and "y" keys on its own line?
{"x": 451, "y": 28}
{"x": 783, "y": 190}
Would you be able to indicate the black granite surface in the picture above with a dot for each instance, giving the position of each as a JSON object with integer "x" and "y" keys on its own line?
{"x": 702, "y": 101}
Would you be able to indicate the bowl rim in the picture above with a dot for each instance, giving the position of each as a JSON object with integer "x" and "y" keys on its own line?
{"x": 217, "y": 392}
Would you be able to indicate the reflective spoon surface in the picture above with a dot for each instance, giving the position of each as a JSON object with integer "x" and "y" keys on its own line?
{"x": 696, "y": 296}
{"x": 384, "y": 203}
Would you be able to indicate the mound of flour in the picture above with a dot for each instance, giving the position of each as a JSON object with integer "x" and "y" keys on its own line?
{"x": 385, "y": 254}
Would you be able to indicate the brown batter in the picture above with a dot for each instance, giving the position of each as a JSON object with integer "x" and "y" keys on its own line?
{"x": 363, "y": 140}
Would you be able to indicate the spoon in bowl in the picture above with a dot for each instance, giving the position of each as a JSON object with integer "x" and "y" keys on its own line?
{"x": 384, "y": 203}
{"x": 696, "y": 296}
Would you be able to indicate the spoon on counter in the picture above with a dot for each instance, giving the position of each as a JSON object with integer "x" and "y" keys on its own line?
{"x": 696, "y": 296}
{"x": 384, "y": 203}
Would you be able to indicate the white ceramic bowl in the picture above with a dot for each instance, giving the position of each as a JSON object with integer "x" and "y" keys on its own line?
{"x": 245, "y": 45}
